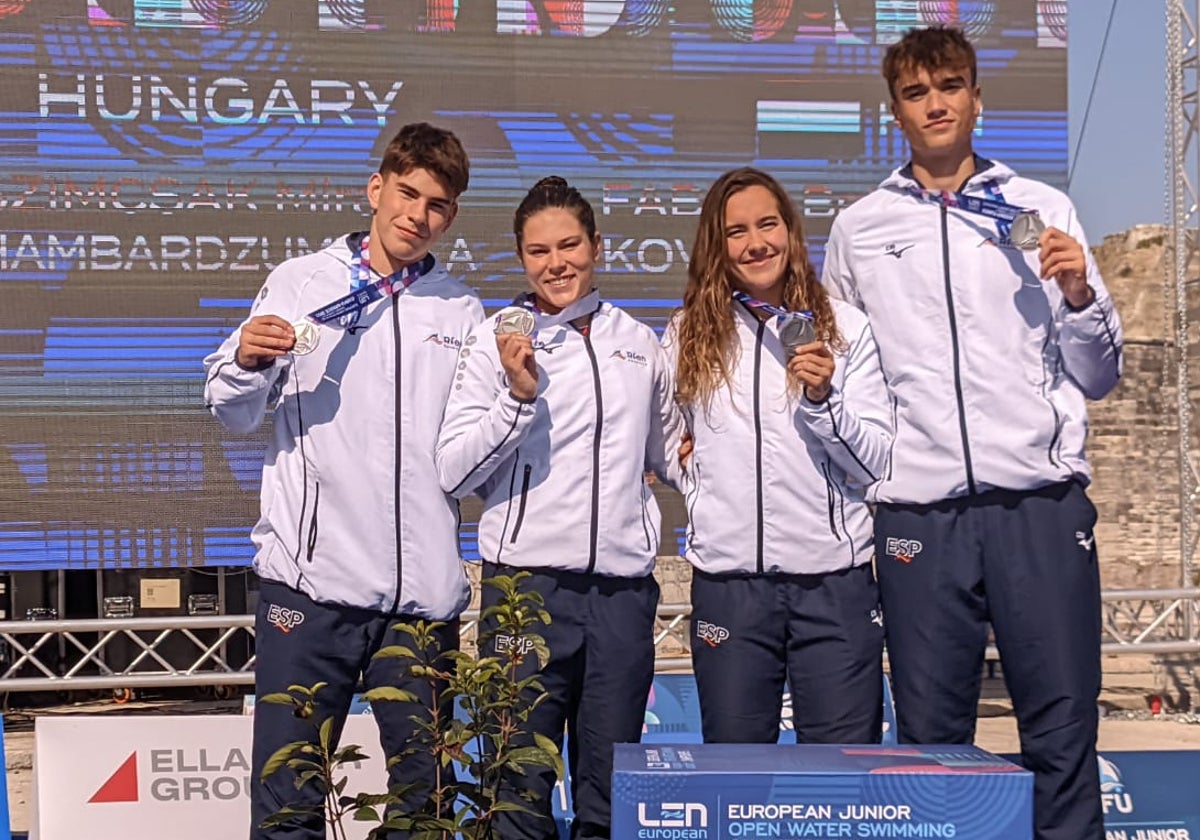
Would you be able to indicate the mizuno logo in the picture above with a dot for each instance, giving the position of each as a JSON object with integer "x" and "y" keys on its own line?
{"x": 894, "y": 250}
{"x": 1085, "y": 540}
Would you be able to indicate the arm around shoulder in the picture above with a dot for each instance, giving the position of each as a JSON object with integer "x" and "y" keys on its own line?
{"x": 667, "y": 426}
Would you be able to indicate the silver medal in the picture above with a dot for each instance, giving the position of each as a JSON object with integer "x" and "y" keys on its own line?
{"x": 795, "y": 332}
{"x": 514, "y": 319}
{"x": 1027, "y": 229}
{"x": 307, "y": 337}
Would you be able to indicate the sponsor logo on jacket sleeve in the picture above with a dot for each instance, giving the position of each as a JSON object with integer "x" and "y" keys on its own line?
{"x": 631, "y": 356}
{"x": 443, "y": 340}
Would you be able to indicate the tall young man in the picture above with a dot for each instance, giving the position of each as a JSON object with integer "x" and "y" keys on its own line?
{"x": 355, "y": 347}
{"x": 993, "y": 326}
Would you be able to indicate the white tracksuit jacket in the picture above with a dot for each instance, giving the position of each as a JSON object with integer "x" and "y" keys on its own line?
{"x": 351, "y": 511}
{"x": 986, "y": 366}
{"x": 777, "y": 484}
{"x": 562, "y": 478}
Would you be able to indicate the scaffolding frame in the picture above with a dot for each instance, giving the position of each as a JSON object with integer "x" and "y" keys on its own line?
{"x": 1142, "y": 621}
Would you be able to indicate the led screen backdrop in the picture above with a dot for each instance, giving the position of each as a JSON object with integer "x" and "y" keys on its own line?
{"x": 158, "y": 157}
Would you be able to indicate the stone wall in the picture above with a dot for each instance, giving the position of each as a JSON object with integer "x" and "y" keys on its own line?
{"x": 1133, "y": 444}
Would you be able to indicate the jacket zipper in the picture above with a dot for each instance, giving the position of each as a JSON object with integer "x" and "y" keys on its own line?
{"x": 587, "y": 342}
{"x": 396, "y": 336}
{"x": 958, "y": 390}
{"x": 758, "y": 442}
{"x": 521, "y": 507}
{"x": 304, "y": 497}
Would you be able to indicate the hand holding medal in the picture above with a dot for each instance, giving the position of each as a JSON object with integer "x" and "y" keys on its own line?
{"x": 1062, "y": 258}
{"x": 812, "y": 364}
{"x": 263, "y": 339}
{"x": 514, "y": 329}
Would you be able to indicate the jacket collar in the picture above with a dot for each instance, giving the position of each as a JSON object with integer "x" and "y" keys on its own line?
{"x": 589, "y": 304}
{"x": 985, "y": 170}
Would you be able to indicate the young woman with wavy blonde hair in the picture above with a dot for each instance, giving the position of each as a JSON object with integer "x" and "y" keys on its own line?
{"x": 789, "y": 422}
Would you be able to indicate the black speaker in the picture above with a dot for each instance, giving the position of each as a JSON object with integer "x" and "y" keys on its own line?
{"x": 166, "y": 592}
{"x": 48, "y": 595}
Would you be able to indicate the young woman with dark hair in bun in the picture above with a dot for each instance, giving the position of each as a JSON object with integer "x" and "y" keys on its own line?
{"x": 563, "y": 403}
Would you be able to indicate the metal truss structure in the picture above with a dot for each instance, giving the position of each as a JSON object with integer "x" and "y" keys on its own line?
{"x": 1183, "y": 167}
{"x": 125, "y": 655}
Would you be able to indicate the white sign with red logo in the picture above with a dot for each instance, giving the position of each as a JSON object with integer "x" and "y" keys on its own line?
{"x": 126, "y": 778}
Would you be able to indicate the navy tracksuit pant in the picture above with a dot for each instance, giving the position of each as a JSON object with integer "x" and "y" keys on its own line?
{"x": 301, "y": 642}
{"x": 821, "y": 633}
{"x": 601, "y": 641}
{"x": 1026, "y": 563}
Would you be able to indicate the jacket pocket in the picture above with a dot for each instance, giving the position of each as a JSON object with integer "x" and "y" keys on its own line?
{"x": 647, "y": 494}
{"x": 521, "y": 507}
{"x": 831, "y": 499}
{"x": 311, "y": 544}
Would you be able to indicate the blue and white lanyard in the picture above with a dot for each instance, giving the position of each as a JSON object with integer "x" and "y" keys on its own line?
{"x": 781, "y": 315}
{"x": 994, "y": 207}
{"x": 348, "y": 308}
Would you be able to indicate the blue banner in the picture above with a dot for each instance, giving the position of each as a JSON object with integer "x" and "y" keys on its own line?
{"x": 1150, "y": 795}
{"x": 718, "y": 791}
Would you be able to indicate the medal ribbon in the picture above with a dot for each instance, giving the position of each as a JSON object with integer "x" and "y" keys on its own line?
{"x": 586, "y": 305}
{"x": 781, "y": 315}
{"x": 995, "y": 207}
{"x": 348, "y": 308}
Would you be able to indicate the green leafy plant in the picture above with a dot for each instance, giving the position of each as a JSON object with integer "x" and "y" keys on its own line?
{"x": 315, "y": 764}
{"x": 473, "y": 752}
